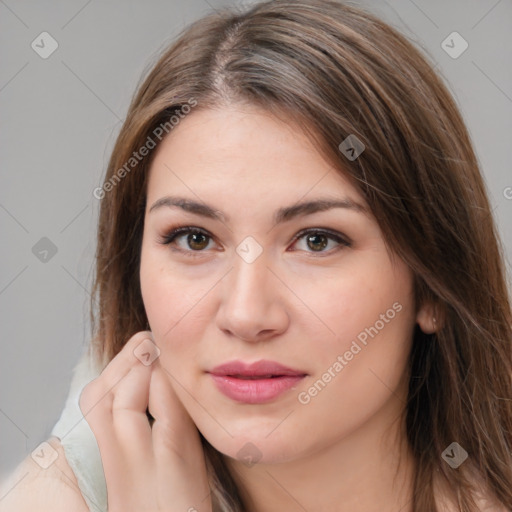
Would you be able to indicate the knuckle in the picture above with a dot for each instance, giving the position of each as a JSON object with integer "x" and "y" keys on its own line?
{"x": 136, "y": 339}
{"x": 92, "y": 396}
{"x": 85, "y": 399}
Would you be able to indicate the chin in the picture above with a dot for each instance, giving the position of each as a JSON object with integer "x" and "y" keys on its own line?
{"x": 258, "y": 448}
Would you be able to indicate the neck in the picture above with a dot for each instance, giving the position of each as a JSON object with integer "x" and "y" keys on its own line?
{"x": 370, "y": 469}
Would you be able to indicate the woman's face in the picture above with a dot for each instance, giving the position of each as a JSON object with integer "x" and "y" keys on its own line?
{"x": 333, "y": 309}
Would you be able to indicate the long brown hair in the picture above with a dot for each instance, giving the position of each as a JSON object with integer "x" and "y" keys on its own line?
{"x": 336, "y": 70}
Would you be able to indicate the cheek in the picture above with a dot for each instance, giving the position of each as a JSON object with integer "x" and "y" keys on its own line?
{"x": 176, "y": 309}
{"x": 162, "y": 296}
{"x": 362, "y": 365}
{"x": 372, "y": 314}
{"x": 365, "y": 299}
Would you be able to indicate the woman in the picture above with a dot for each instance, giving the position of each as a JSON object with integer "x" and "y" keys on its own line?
{"x": 302, "y": 301}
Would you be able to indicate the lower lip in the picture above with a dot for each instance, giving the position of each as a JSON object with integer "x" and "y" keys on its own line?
{"x": 255, "y": 391}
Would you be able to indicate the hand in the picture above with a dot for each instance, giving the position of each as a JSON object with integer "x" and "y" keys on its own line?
{"x": 147, "y": 468}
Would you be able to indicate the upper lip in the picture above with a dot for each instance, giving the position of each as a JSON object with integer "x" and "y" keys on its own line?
{"x": 257, "y": 369}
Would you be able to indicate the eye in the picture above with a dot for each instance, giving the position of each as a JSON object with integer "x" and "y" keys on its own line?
{"x": 318, "y": 239}
{"x": 197, "y": 240}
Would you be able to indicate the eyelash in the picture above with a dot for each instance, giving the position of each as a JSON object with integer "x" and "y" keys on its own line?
{"x": 171, "y": 236}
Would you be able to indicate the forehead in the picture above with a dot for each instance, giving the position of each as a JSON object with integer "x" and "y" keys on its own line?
{"x": 242, "y": 150}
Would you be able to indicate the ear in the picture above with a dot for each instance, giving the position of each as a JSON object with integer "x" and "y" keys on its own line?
{"x": 428, "y": 319}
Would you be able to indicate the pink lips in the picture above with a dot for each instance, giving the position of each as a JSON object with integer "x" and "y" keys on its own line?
{"x": 254, "y": 383}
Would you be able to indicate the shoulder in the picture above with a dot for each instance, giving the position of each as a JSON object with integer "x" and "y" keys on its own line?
{"x": 46, "y": 485}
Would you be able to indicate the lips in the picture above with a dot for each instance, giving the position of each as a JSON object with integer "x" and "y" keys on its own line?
{"x": 258, "y": 370}
{"x": 254, "y": 383}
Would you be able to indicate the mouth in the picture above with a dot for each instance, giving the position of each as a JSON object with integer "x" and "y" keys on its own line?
{"x": 255, "y": 383}
{"x": 254, "y": 377}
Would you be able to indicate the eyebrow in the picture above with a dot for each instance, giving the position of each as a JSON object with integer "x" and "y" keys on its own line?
{"x": 281, "y": 215}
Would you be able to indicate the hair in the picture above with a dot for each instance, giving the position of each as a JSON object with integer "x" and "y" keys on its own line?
{"x": 336, "y": 70}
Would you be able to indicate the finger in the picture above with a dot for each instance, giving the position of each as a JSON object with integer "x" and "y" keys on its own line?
{"x": 114, "y": 405}
{"x": 130, "y": 422}
{"x": 178, "y": 452}
{"x": 125, "y": 359}
{"x": 96, "y": 399}
{"x": 97, "y": 409}
{"x": 174, "y": 431}
{"x": 130, "y": 402}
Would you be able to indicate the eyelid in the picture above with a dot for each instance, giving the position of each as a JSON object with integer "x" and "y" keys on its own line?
{"x": 175, "y": 232}
{"x": 335, "y": 235}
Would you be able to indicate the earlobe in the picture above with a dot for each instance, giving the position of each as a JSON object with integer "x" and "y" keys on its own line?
{"x": 427, "y": 319}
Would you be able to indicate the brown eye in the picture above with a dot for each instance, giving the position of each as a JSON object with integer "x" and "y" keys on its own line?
{"x": 317, "y": 242}
{"x": 197, "y": 241}
{"x": 188, "y": 240}
{"x": 318, "y": 239}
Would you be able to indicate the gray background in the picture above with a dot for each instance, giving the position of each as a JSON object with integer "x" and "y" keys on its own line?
{"x": 60, "y": 116}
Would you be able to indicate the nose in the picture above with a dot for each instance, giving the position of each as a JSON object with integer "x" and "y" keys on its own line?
{"x": 252, "y": 305}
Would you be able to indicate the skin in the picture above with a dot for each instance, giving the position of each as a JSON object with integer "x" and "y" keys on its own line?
{"x": 294, "y": 305}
